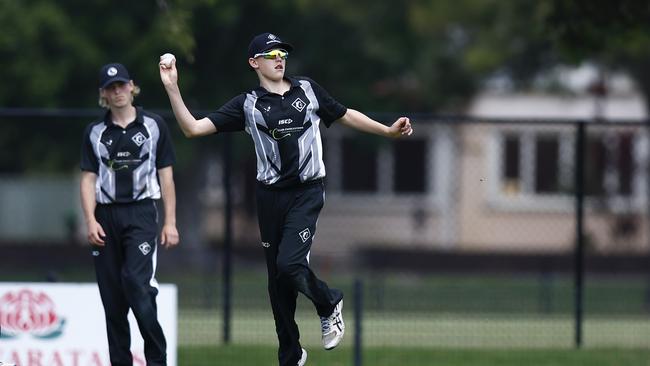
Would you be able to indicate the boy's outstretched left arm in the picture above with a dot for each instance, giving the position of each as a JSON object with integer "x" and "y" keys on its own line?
{"x": 357, "y": 120}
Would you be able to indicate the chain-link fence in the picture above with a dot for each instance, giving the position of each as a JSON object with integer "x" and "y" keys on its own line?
{"x": 471, "y": 234}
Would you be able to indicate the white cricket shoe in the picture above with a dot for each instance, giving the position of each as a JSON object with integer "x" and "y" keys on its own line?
{"x": 332, "y": 327}
{"x": 301, "y": 362}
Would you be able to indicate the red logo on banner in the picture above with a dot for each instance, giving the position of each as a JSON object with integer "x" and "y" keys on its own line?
{"x": 29, "y": 312}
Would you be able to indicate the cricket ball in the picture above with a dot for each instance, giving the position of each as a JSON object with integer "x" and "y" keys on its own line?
{"x": 167, "y": 60}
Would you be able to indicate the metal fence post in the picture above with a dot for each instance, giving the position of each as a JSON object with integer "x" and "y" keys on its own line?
{"x": 358, "y": 322}
{"x": 227, "y": 240}
{"x": 579, "y": 245}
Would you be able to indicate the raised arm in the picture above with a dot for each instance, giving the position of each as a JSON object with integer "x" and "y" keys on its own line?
{"x": 190, "y": 126}
{"x": 359, "y": 121}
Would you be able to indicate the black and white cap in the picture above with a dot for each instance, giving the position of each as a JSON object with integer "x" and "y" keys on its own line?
{"x": 113, "y": 72}
{"x": 266, "y": 41}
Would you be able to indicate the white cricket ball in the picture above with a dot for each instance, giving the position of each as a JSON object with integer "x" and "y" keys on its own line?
{"x": 166, "y": 60}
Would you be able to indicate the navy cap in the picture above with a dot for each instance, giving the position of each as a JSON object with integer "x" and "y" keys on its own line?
{"x": 113, "y": 72}
{"x": 266, "y": 41}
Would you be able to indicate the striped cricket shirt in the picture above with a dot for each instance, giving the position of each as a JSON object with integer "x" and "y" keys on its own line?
{"x": 126, "y": 160}
{"x": 284, "y": 128}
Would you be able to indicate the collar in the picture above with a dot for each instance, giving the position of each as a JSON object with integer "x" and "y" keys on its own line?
{"x": 261, "y": 91}
{"x": 138, "y": 117}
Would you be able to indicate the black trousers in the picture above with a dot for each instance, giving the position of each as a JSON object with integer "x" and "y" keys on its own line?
{"x": 287, "y": 220}
{"x": 125, "y": 269}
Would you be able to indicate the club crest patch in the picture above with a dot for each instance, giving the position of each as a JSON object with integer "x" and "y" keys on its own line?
{"x": 145, "y": 248}
{"x": 299, "y": 104}
{"x": 139, "y": 138}
{"x": 305, "y": 235}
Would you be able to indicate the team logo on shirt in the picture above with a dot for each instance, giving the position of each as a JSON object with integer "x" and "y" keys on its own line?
{"x": 145, "y": 248}
{"x": 305, "y": 235}
{"x": 139, "y": 138}
{"x": 299, "y": 104}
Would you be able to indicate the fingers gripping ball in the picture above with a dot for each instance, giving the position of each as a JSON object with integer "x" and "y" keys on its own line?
{"x": 167, "y": 60}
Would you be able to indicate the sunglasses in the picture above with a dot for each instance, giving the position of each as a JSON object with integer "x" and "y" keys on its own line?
{"x": 271, "y": 55}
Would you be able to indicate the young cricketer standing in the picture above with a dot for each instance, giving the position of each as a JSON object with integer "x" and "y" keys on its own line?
{"x": 282, "y": 116}
{"x": 126, "y": 163}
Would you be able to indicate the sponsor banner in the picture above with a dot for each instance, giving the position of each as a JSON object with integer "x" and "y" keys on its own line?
{"x": 62, "y": 324}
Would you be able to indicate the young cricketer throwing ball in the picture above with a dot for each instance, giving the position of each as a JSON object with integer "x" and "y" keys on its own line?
{"x": 282, "y": 116}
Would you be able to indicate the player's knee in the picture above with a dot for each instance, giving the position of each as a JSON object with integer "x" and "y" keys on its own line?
{"x": 293, "y": 272}
{"x": 284, "y": 269}
{"x": 135, "y": 286}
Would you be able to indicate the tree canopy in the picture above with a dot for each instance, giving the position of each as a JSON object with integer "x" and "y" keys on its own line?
{"x": 615, "y": 34}
{"x": 391, "y": 55}
{"x": 377, "y": 56}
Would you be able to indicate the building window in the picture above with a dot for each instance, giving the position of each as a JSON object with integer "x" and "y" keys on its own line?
{"x": 609, "y": 164}
{"x": 409, "y": 162}
{"x": 359, "y": 162}
{"x": 594, "y": 166}
{"x": 542, "y": 163}
{"x": 625, "y": 163}
{"x": 511, "y": 161}
{"x": 547, "y": 164}
{"x": 359, "y": 165}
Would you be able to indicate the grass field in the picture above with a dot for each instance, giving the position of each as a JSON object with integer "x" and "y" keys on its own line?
{"x": 399, "y": 339}
{"x": 404, "y": 356}
{"x": 201, "y": 328}
{"x": 427, "y": 320}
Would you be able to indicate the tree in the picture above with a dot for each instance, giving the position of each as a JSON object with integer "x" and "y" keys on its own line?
{"x": 390, "y": 56}
{"x": 615, "y": 34}
{"x": 51, "y": 51}
{"x": 420, "y": 55}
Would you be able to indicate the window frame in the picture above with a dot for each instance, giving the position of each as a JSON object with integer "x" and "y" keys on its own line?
{"x": 439, "y": 149}
{"x": 529, "y": 200}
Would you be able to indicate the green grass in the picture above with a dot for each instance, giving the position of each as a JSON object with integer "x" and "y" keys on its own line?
{"x": 393, "y": 356}
{"x": 433, "y": 330}
{"x": 446, "y": 320}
